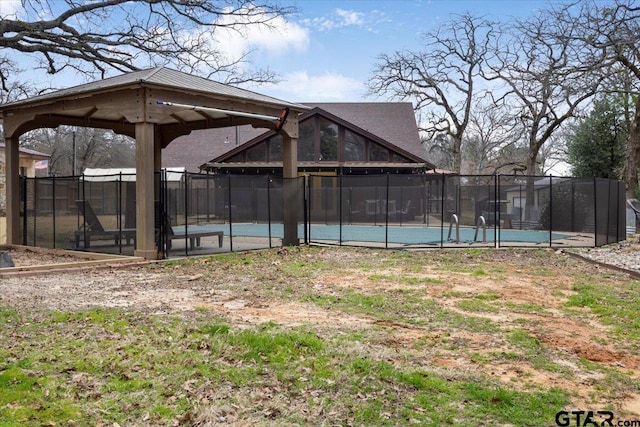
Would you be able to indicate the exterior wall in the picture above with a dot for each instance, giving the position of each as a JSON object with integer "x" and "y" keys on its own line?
{"x": 3, "y": 190}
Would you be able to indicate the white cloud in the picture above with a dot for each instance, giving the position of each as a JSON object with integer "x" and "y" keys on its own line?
{"x": 276, "y": 39}
{"x": 341, "y": 18}
{"x": 350, "y": 17}
{"x": 327, "y": 87}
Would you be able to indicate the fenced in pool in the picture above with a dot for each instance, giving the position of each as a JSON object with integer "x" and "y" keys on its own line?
{"x": 242, "y": 212}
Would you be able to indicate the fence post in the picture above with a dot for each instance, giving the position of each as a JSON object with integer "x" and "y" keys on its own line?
{"x": 386, "y": 215}
{"x": 186, "y": 210}
{"x": 595, "y": 213}
{"x": 550, "y": 211}
{"x": 496, "y": 228}
{"x": 229, "y": 212}
{"x": 609, "y": 212}
{"x": 306, "y": 209}
{"x": 340, "y": 207}
{"x": 119, "y": 211}
{"x": 53, "y": 209}
{"x": 35, "y": 210}
{"x": 442, "y": 194}
{"x": 268, "y": 208}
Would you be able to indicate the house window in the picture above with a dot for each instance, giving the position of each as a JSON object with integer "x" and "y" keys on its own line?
{"x": 397, "y": 158}
{"x": 305, "y": 141}
{"x": 354, "y": 147}
{"x": 275, "y": 148}
{"x": 328, "y": 141}
{"x": 257, "y": 153}
{"x": 378, "y": 153}
{"x": 238, "y": 158}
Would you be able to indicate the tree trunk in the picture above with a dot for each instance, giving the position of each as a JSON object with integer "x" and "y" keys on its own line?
{"x": 457, "y": 154}
{"x": 632, "y": 159}
{"x": 530, "y": 189}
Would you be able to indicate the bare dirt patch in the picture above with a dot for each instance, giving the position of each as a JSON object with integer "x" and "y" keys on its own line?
{"x": 527, "y": 289}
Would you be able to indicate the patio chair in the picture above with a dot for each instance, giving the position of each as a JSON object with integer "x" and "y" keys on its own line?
{"x": 93, "y": 228}
{"x": 406, "y": 211}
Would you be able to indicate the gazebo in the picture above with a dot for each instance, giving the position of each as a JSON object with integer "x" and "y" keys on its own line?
{"x": 154, "y": 106}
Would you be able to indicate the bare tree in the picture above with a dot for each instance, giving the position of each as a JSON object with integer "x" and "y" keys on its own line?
{"x": 609, "y": 37}
{"x": 101, "y": 35}
{"x": 440, "y": 79}
{"x": 544, "y": 82}
{"x": 489, "y": 137}
{"x": 81, "y": 147}
{"x": 441, "y": 151}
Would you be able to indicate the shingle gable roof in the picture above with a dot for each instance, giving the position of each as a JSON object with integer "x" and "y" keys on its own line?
{"x": 393, "y": 122}
{"x": 197, "y": 148}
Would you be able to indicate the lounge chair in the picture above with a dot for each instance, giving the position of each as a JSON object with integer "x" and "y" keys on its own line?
{"x": 93, "y": 228}
{"x": 405, "y": 213}
{"x": 192, "y": 232}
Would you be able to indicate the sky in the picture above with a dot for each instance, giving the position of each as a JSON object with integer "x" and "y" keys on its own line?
{"x": 326, "y": 52}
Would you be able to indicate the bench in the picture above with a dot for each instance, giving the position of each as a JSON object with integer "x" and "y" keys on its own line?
{"x": 194, "y": 235}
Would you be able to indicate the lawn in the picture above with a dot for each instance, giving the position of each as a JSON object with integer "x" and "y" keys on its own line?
{"x": 323, "y": 336}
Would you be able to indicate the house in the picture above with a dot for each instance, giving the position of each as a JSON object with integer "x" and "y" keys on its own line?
{"x": 335, "y": 138}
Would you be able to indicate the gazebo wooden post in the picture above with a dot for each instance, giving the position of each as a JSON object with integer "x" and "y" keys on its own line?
{"x": 291, "y": 205}
{"x": 12, "y": 154}
{"x": 145, "y": 191}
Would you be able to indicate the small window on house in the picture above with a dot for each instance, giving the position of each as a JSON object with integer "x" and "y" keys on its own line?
{"x": 378, "y": 153}
{"x": 238, "y": 158}
{"x": 328, "y": 141}
{"x": 397, "y": 158}
{"x": 275, "y": 148}
{"x": 354, "y": 147}
{"x": 257, "y": 153}
{"x": 306, "y": 148}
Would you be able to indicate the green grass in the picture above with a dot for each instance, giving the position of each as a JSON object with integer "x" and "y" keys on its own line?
{"x": 384, "y": 367}
{"x": 156, "y": 368}
{"x": 530, "y": 349}
{"x": 614, "y": 306}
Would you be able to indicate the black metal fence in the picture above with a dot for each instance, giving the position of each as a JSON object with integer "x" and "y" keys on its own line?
{"x": 241, "y": 212}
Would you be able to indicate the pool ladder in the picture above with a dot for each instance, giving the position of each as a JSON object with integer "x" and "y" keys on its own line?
{"x": 481, "y": 223}
{"x": 454, "y": 220}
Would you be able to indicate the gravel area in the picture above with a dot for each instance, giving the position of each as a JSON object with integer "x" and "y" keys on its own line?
{"x": 625, "y": 254}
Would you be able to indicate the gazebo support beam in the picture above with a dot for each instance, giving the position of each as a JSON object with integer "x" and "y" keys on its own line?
{"x": 291, "y": 206}
{"x": 12, "y": 154}
{"x": 145, "y": 191}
